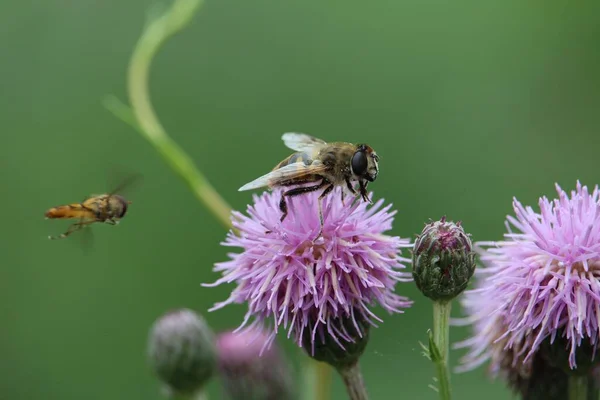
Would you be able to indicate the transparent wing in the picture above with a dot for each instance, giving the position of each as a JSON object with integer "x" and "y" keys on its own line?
{"x": 290, "y": 171}
{"x": 91, "y": 196}
{"x": 87, "y": 239}
{"x": 302, "y": 142}
{"x": 126, "y": 183}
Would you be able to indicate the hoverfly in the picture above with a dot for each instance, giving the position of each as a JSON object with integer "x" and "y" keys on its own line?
{"x": 329, "y": 164}
{"x": 108, "y": 208}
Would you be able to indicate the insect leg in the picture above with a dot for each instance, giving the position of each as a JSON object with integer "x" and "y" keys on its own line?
{"x": 350, "y": 186}
{"x": 282, "y": 203}
{"x": 283, "y": 206}
{"x": 320, "y": 200}
{"x": 296, "y": 192}
{"x": 73, "y": 228}
{"x": 363, "y": 191}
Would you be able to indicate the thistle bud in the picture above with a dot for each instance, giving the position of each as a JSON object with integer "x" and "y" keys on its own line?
{"x": 343, "y": 351}
{"x": 249, "y": 375}
{"x": 181, "y": 352}
{"x": 443, "y": 260}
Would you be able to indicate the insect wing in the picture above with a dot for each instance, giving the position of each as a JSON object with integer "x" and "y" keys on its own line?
{"x": 290, "y": 171}
{"x": 91, "y": 196}
{"x": 86, "y": 239}
{"x": 125, "y": 183}
{"x": 302, "y": 142}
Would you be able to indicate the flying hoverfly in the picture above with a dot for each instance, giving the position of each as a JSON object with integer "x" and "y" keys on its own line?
{"x": 327, "y": 164}
{"x": 108, "y": 208}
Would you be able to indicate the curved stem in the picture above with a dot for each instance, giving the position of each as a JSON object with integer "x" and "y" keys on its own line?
{"x": 142, "y": 117}
{"x": 155, "y": 34}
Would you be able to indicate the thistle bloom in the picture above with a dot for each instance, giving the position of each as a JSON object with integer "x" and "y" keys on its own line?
{"x": 294, "y": 282}
{"x": 539, "y": 286}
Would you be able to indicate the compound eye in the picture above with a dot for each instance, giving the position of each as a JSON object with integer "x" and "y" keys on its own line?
{"x": 359, "y": 163}
{"x": 123, "y": 210}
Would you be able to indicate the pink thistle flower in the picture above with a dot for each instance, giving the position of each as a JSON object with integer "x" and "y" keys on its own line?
{"x": 292, "y": 281}
{"x": 249, "y": 373}
{"x": 539, "y": 283}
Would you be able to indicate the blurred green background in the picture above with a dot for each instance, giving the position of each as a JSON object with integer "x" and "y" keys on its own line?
{"x": 468, "y": 103}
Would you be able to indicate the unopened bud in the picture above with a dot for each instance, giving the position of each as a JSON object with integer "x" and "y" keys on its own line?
{"x": 181, "y": 352}
{"x": 443, "y": 260}
{"x": 249, "y": 375}
{"x": 345, "y": 349}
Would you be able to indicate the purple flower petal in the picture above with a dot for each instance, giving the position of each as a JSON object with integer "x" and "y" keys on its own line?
{"x": 540, "y": 282}
{"x": 289, "y": 281}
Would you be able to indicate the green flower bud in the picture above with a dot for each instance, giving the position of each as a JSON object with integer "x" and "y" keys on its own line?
{"x": 182, "y": 352}
{"x": 327, "y": 350}
{"x": 443, "y": 260}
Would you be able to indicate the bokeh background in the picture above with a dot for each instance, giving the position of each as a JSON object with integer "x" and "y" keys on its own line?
{"x": 468, "y": 103}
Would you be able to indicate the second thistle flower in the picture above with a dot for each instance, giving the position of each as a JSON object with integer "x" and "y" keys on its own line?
{"x": 301, "y": 285}
{"x": 537, "y": 292}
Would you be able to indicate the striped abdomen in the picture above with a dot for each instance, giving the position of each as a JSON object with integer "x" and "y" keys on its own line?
{"x": 75, "y": 210}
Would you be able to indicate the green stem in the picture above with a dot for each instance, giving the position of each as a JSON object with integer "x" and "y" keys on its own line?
{"x": 354, "y": 382}
{"x": 592, "y": 389}
{"x": 441, "y": 334}
{"x": 201, "y": 395}
{"x": 578, "y": 386}
{"x": 143, "y": 118}
{"x": 156, "y": 33}
{"x": 317, "y": 380}
{"x": 323, "y": 373}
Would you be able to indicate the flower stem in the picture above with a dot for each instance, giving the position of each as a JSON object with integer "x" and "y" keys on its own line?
{"x": 578, "y": 386}
{"x": 141, "y": 116}
{"x": 323, "y": 386}
{"x": 354, "y": 382}
{"x": 200, "y": 395}
{"x": 156, "y": 33}
{"x": 317, "y": 380}
{"x": 441, "y": 333}
{"x": 592, "y": 389}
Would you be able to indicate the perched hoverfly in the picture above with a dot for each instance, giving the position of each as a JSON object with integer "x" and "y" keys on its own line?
{"x": 327, "y": 164}
{"x": 108, "y": 208}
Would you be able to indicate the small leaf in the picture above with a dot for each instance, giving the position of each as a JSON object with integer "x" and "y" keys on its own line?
{"x": 434, "y": 352}
{"x": 425, "y": 351}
